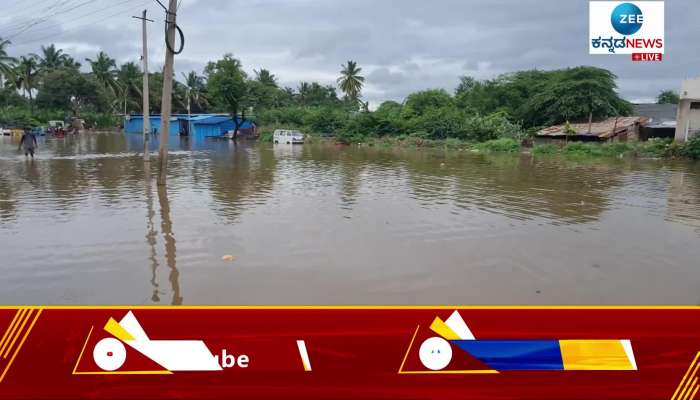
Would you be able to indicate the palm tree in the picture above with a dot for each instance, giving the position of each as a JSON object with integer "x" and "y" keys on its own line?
{"x": 129, "y": 81}
{"x": 350, "y": 81}
{"x": 105, "y": 69}
{"x": 26, "y": 75}
{"x": 7, "y": 63}
{"x": 52, "y": 58}
{"x": 303, "y": 90}
{"x": 265, "y": 77}
{"x": 196, "y": 90}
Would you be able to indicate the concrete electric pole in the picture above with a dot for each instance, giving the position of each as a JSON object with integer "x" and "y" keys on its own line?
{"x": 166, "y": 105}
{"x": 146, "y": 106}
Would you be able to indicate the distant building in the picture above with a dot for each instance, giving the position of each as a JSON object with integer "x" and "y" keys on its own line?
{"x": 661, "y": 120}
{"x": 688, "y": 119}
{"x": 618, "y": 129}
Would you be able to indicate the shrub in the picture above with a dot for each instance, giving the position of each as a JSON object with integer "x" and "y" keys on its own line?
{"x": 655, "y": 147}
{"x": 326, "y": 120}
{"x": 691, "y": 148}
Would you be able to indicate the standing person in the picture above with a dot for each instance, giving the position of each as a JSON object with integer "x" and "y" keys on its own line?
{"x": 29, "y": 143}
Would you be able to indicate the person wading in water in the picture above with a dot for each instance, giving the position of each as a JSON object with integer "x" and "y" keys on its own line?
{"x": 29, "y": 142}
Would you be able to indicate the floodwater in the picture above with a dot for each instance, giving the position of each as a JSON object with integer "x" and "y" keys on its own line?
{"x": 85, "y": 223}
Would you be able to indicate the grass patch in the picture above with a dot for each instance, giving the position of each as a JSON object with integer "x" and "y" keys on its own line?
{"x": 504, "y": 145}
{"x": 545, "y": 149}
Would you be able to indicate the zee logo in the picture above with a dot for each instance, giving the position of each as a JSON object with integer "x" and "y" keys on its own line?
{"x": 627, "y": 19}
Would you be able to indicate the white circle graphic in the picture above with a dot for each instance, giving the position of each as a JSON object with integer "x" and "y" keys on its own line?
{"x": 109, "y": 354}
{"x": 435, "y": 353}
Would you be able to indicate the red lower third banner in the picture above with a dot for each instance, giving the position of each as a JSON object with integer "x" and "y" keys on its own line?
{"x": 350, "y": 352}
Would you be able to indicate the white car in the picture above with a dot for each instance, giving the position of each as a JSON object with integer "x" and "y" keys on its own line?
{"x": 285, "y": 136}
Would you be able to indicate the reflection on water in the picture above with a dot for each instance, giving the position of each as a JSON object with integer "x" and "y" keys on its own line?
{"x": 324, "y": 224}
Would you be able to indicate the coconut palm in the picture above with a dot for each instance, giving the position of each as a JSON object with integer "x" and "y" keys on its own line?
{"x": 265, "y": 77}
{"x": 350, "y": 81}
{"x": 26, "y": 76}
{"x": 196, "y": 90}
{"x": 104, "y": 68}
{"x": 52, "y": 58}
{"x": 303, "y": 89}
{"x": 7, "y": 63}
{"x": 129, "y": 82}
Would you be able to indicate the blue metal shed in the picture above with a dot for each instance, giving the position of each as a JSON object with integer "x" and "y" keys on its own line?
{"x": 134, "y": 124}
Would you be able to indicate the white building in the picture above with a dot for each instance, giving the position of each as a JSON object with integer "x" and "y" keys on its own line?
{"x": 688, "y": 120}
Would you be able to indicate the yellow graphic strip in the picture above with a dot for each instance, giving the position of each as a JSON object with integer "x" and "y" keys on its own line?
{"x": 447, "y": 372}
{"x": 688, "y": 387}
{"x": 9, "y": 330}
{"x": 597, "y": 355}
{"x": 21, "y": 343}
{"x": 113, "y": 327}
{"x": 440, "y": 327}
{"x": 21, "y": 321}
{"x": 75, "y": 367}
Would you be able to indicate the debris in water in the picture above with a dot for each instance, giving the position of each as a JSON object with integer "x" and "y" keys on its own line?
{"x": 228, "y": 257}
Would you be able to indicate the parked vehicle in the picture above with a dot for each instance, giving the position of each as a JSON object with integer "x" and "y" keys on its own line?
{"x": 285, "y": 136}
{"x": 5, "y": 132}
{"x": 55, "y": 127}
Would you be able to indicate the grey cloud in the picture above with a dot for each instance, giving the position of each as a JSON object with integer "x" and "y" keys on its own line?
{"x": 403, "y": 46}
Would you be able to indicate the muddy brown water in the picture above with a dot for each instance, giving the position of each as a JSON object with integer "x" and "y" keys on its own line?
{"x": 84, "y": 223}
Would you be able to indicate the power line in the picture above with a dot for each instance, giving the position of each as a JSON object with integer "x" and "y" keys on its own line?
{"x": 42, "y": 29}
{"x": 46, "y": 18}
{"x": 28, "y": 10}
{"x": 75, "y": 28}
{"x": 34, "y": 14}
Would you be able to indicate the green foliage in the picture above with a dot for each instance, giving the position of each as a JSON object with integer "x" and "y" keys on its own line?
{"x": 266, "y": 136}
{"x": 62, "y": 89}
{"x": 503, "y": 145}
{"x": 226, "y": 84}
{"x": 545, "y": 149}
{"x": 326, "y": 120}
{"x": 691, "y": 148}
{"x": 538, "y": 98}
{"x": 419, "y": 103}
{"x": 668, "y": 97}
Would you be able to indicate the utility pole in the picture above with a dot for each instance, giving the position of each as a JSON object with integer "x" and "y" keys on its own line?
{"x": 146, "y": 106}
{"x": 166, "y": 105}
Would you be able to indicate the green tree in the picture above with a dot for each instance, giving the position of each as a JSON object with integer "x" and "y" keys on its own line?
{"x": 7, "y": 63}
{"x": 226, "y": 85}
{"x": 63, "y": 89}
{"x": 350, "y": 81}
{"x": 419, "y": 103}
{"x": 580, "y": 93}
{"x": 104, "y": 68}
{"x": 266, "y": 78}
{"x": 668, "y": 97}
{"x": 26, "y": 76}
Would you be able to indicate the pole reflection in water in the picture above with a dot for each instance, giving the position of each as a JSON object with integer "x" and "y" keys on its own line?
{"x": 166, "y": 227}
{"x": 151, "y": 232}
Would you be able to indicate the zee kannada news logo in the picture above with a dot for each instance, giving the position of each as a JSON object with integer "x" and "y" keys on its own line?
{"x": 635, "y": 28}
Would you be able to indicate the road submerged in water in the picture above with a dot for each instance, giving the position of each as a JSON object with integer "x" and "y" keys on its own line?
{"x": 85, "y": 223}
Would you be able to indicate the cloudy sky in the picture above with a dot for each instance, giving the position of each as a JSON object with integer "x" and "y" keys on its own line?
{"x": 402, "y": 45}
